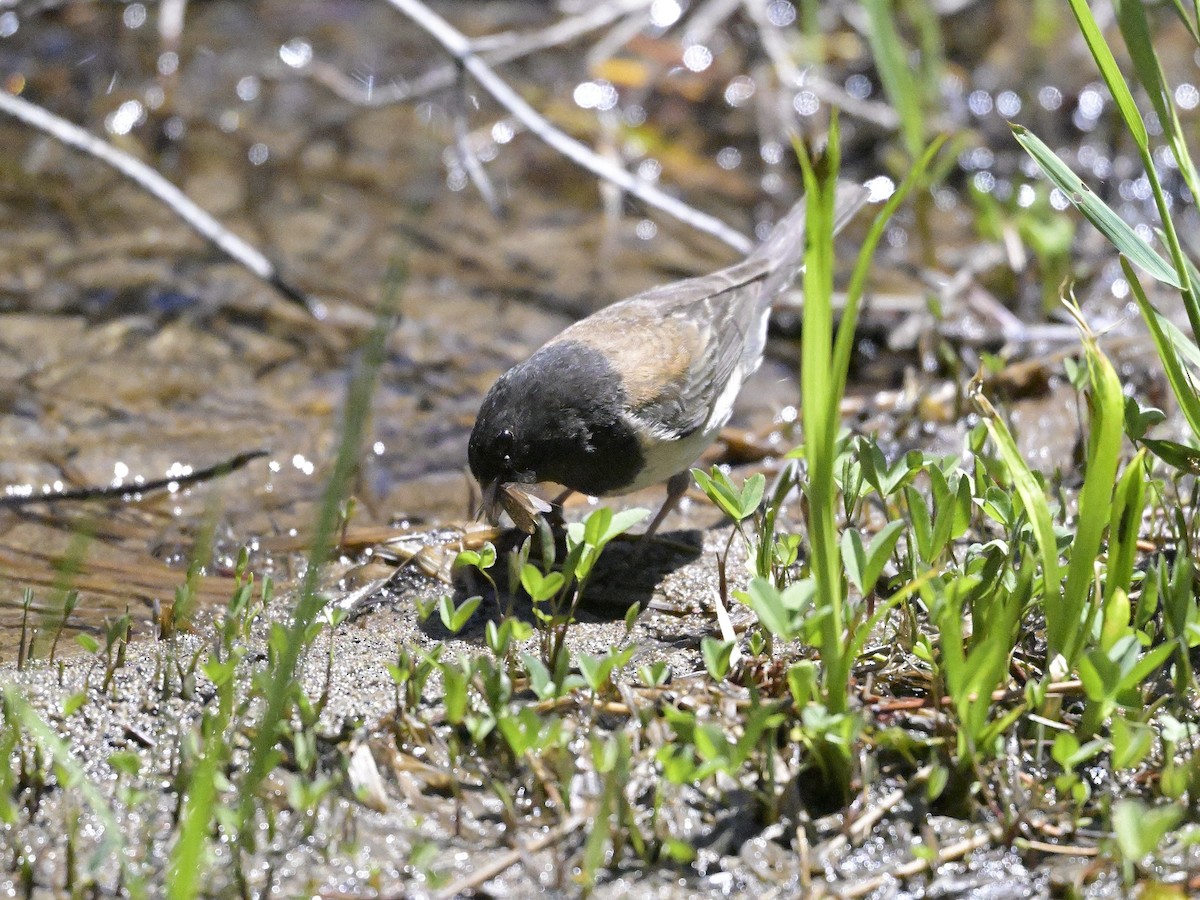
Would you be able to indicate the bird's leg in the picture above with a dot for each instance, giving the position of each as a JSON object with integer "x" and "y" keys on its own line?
{"x": 556, "y": 508}
{"x": 676, "y": 487}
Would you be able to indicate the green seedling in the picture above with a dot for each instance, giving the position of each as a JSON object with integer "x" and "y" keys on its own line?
{"x": 974, "y": 669}
{"x": 70, "y": 601}
{"x": 887, "y": 480}
{"x": 1140, "y": 419}
{"x": 410, "y": 673}
{"x": 454, "y": 618}
{"x": 456, "y": 675}
{"x": 655, "y": 674}
{"x": 87, "y": 643}
{"x": 737, "y": 503}
{"x": 1131, "y": 743}
{"x": 526, "y": 732}
{"x": 25, "y": 646}
{"x": 541, "y": 588}
{"x": 864, "y": 564}
{"x": 557, "y": 595}
{"x": 548, "y": 685}
{"x": 1139, "y": 829}
{"x": 787, "y": 614}
{"x": 597, "y": 671}
{"x": 425, "y": 606}
{"x": 481, "y": 560}
{"x": 1114, "y": 675}
{"x": 741, "y": 504}
{"x": 717, "y": 655}
{"x": 501, "y": 637}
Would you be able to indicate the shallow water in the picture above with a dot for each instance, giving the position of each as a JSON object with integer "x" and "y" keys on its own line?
{"x": 132, "y": 350}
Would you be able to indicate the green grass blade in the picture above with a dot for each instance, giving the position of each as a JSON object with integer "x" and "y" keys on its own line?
{"x": 1112, "y": 76}
{"x": 1181, "y": 383}
{"x": 1106, "y": 405}
{"x": 73, "y": 776}
{"x": 1131, "y": 16}
{"x": 1189, "y": 353}
{"x": 1110, "y": 72}
{"x": 1191, "y": 26}
{"x": 1128, "y": 502}
{"x": 819, "y": 415}
{"x": 899, "y": 82}
{"x": 279, "y": 691}
{"x": 1038, "y": 511}
{"x": 854, "y": 292}
{"x": 1096, "y": 211}
{"x": 188, "y": 862}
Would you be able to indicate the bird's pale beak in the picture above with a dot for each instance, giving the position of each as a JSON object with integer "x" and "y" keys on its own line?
{"x": 490, "y": 507}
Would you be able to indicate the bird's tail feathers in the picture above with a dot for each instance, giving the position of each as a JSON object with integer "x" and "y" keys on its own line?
{"x": 782, "y": 254}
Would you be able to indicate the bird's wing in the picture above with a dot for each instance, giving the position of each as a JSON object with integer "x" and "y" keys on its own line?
{"x": 730, "y": 328}
{"x": 682, "y": 351}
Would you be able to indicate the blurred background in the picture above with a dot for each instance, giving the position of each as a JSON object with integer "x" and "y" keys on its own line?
{"x": 340, "y": 139}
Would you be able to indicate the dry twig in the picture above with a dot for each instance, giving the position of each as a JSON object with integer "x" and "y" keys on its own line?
{"x": 457, "y": 44}
{"x": 221, "y": 469}
{"x": 490, "y": 870}
{"x": 496, "y": 49}
{"x": 915, "y": 867}
{"x": 157, "y": 186}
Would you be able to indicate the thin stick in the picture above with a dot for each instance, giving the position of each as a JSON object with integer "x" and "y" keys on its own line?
{"x": 171, "y": 14}
{"x": 508, "y": 46}
{"x": 157, "y": 186}
{"x": 16, "y": 501}
{"x": 915, "y": 867}
{"x": 490, "y": 870}
{"x": 776, "y": 48}
{"x": 458, "y": 46}
{"x": 495, "y": 49}
{"x": 1057, "y": 849}
{"x": 467, "y": 158}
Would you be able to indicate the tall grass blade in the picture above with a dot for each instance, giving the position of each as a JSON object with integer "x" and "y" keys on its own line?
{"x": 1189, "y": 23}
{"x": 1068, "y": 626}
{"x": 357, "y": 411}
{"x": 854, "y": 292}
{"x": 820, "y": 422}
{"x": 1137, "y": 130}
{"x": 891, "y": 59}
{"x": 1131, "y": 17}
{"x": 1110, "y": 72}
{"x": 1181, "y": 382}
{"x": 188, "y": 857}
{"x": 1189, "y": 353}
{"x": 1096, "y": 211}
{"x": 1032, "y": 498}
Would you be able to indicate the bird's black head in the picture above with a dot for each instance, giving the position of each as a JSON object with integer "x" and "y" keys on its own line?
{"x": 558, "y": 416}
{"x": 495, "y": 454}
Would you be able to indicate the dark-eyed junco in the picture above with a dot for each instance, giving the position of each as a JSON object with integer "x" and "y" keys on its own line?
{"x": 633, "y": 394}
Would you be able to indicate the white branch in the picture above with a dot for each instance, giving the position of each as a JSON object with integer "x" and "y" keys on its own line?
{"x": 459, "y": 46}
{"x": 156, "y": 185}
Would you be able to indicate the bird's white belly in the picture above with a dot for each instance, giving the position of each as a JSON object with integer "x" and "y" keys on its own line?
{"x": 665, "y": 458}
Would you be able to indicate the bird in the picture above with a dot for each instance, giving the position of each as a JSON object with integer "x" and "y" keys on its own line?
{"x": 633, "y": 394}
